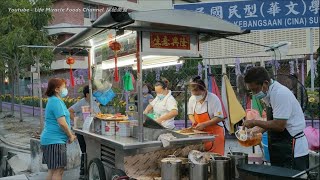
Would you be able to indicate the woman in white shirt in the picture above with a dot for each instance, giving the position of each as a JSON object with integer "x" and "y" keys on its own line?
{"x": 205, "y": 113}
{"x": 164, "y": 106}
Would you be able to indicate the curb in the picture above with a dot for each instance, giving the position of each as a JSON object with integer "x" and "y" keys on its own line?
{"x": 17, "y": 147}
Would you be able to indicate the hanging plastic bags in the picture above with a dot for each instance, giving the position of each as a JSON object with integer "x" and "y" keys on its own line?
{"x": 313, "y": 137}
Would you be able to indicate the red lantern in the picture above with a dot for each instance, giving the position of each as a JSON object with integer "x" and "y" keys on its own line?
{"x": 115, "y": 46}
{"x": 70, "y": 61}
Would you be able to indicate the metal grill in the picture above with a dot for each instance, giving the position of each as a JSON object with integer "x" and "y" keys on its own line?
{"x": 108, "y": 156}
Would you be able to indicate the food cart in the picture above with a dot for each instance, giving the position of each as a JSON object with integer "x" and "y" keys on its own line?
{"x": 158, "y": 32}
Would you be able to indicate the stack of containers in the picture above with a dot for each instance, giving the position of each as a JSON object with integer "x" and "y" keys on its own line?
{"x": 77, "y": 123}
{"x": 108, "y": 128}
{"x": 123, "y": 128}
{"x": 132, "y": 124}
{"x": 85, "y": 112}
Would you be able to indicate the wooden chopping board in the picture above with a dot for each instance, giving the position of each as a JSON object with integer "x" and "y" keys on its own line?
{"x": 192, "y": 133}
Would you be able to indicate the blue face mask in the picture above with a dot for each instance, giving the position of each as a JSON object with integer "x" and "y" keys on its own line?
{"x": 145, "y": 90}
{"x": 260, "y": 95}
{"x": 64, "y": 92}
{"x": 161, "y": 96}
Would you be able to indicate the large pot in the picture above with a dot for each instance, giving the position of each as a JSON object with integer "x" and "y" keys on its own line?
{"x": 237, "y": 159}
{"x": 198, "y": 171}
{"x": 171, "y": 168}
{"x": 184, "y": 165}
{"x": 220, "y": 168}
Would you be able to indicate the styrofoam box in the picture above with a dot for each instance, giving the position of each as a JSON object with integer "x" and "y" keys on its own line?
{"x": 123, "y": 128}
{"x": 108, "y": 128}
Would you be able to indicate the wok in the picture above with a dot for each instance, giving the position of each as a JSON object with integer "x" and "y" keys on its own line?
{"x": 264, "y": 172}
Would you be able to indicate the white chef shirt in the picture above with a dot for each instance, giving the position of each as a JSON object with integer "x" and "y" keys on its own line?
{"x": 286, "y": 107}
{"x": 164, "y": 106}
{"x": 211, "y": 104}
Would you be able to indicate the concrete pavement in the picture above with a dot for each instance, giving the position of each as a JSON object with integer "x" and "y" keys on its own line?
{"x": 72, "y": 174}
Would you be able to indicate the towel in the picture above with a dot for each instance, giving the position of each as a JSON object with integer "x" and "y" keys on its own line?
{"x": 165, "y": 139}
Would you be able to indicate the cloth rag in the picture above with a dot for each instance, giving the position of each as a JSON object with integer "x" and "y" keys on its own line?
{"x": 165, "y": 139}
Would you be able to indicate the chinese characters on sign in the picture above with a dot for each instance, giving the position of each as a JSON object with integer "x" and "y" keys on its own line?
{"x": 169, "y": 41}
{"x": 258, "y": 15}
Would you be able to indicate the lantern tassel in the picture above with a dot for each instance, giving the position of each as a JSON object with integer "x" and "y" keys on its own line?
{"x": 71, "y": 76}
{"x": 116, "y": 73}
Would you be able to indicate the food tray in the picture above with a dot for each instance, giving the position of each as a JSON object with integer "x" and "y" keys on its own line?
{"x": 112, "y": 119}
{"x": 192, "y": 133}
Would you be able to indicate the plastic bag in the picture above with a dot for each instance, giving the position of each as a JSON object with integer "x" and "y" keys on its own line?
{"x": 104, "y": 97}
{"x": 312, "y": 135}
{"x": 252, "y": 114}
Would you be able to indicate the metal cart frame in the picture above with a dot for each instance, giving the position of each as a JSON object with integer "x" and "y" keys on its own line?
{"x": 136, "y": 156}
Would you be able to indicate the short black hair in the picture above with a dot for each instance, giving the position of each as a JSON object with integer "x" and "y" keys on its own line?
{"x": 197, "y": 84}
{"x": 149, "y": 87}
{"x": 257, "y": 75}
{"x": 85, "y": 90}
{"x": 163, "y": 84}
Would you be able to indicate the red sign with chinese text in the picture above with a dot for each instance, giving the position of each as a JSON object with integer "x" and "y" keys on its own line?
{"x": 169, "y": 41}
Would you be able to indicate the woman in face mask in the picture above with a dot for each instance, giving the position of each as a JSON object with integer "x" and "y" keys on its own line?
{"x": 57, "y": 129}
{"x": 147, "y": 96}
{"x": 164, "y": 106}
{"x": 205, "y": 113}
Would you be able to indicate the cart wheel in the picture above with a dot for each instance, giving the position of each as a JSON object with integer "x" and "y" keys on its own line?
{"x": 118, "y": 174}
{"x": 96, "y": 170}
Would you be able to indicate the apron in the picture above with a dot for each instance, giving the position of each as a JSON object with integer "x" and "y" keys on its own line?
{"x": 216, "y": 146}
{"x": 281, "y": 145}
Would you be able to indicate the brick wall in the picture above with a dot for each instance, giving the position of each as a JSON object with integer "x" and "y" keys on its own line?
{"x": 68, "y": 16}
{"x": 73, "y": 15}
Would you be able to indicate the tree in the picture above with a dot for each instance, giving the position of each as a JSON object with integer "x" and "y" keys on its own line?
{"x": 2, "y": 77}
{"x": 22, "y": 28}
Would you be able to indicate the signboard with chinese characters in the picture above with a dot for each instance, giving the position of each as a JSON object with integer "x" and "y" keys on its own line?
{"x": 171, "y": 44}
{"x": 169, "y": 41}
{"x": 262, "y": 14}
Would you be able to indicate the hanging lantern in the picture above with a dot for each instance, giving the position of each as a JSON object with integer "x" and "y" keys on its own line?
{"x": 115, "y": 47}
{"x": 70, "y": 61}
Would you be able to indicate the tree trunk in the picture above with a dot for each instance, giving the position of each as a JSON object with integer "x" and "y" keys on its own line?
{"x": 1, "y": 89}
{"x": 40, "y": 93}
{"x": 12, "y": 79}
{"x": 19, "y": 95}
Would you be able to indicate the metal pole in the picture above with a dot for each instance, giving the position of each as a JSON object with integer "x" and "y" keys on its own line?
{"x": 186, "y": 107}
{"x": 206, "y": 72}
{"x": 40, "y": 93}
{"x": 311, "y": 59}
{"x": 139, "y": 87}
{"x": 32, "y": 94}
{"x": 89, "y": 80}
